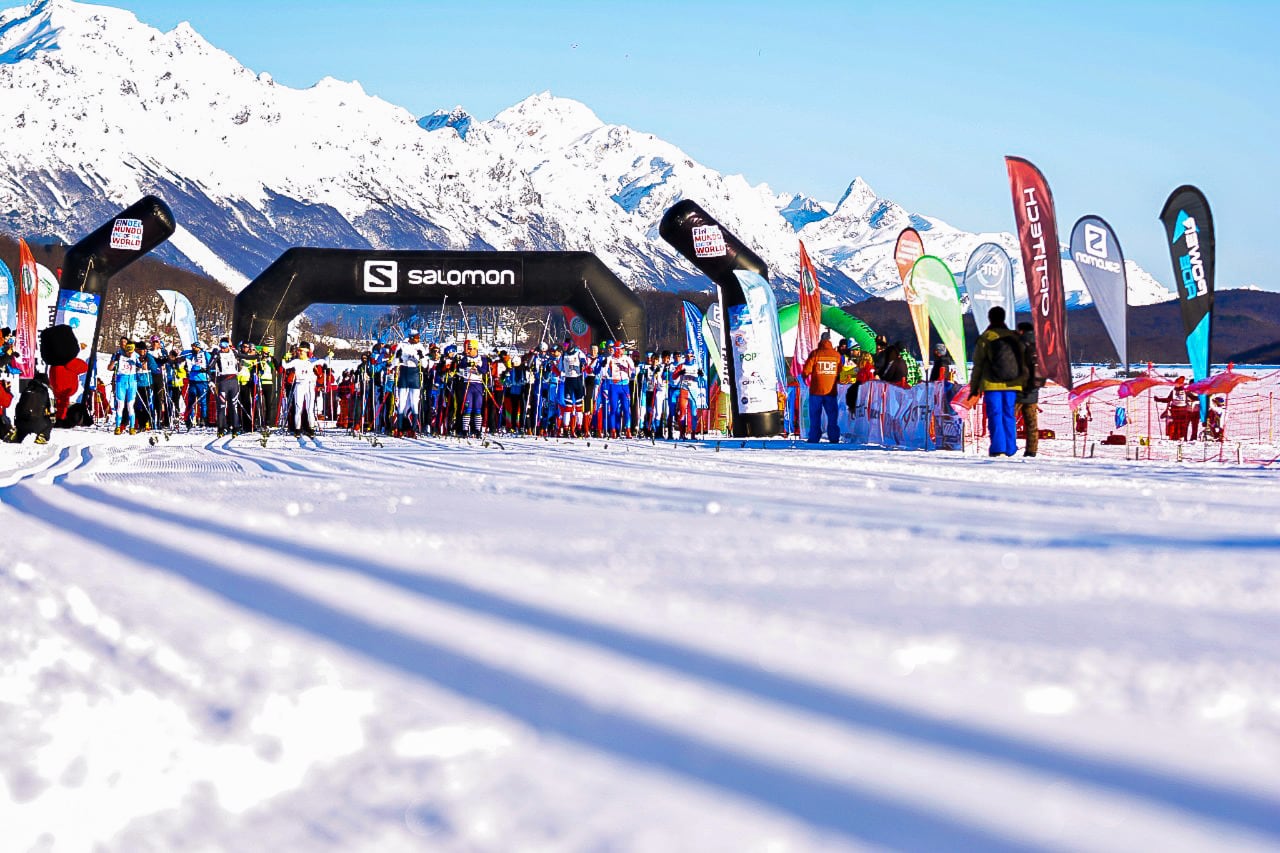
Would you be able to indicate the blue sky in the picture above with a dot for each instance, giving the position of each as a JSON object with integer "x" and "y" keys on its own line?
{"x": 1117, "y": 103}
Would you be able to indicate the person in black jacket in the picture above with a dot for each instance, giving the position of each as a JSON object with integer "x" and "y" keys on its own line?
{"x": 35, "y": 408}
{"x": 1028, "y": 399}
{"x": 893, "y": 369}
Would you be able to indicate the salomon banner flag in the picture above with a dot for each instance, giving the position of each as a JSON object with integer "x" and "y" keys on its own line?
{"x": 809, "y": 320}
{"x": 28, "y": 311}
{"x": 932, "y": 279}
{"x": 1042, "y": 267}
{"x": 908, "y": 250}
{"x": 988, "y": 278}
{"x": 1189, "y": 227}
{"x": 1098, "y": 257}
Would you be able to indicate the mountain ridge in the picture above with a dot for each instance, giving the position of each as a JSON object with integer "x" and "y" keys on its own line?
{"x": 106, "y": 109}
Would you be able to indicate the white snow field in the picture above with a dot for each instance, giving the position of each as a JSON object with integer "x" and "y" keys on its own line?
{"x": 432, "y": 645}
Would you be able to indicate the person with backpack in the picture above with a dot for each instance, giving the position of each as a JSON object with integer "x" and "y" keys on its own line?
{"x": 33, "y": 415}
{"x": 1028, "y": 400}
{"x": 999, "y": 372}
{"x": 893, "y": 366}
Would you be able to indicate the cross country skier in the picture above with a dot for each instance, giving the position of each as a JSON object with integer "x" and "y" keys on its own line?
{"x": 684, "y": 383}
{"x": 573, "y": 364}
{"x": 304, "y": 390}
{"x": 618, "y": 370}
{"x": 198, "y": 385}
{"x": 226, "y": 367}
{"x": 407, "y": 364}
{"x": 127, "y": 364}
{"x": 517, "y": 382}
{"x": 175, "y": 377}
{"x": 660, "y": 410}
{"x": 472, "y": 371}
{"x": 640, "y": 391}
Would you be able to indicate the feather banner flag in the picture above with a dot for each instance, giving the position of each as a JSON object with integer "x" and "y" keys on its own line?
{"x": 1188, "y": 224}
{"x": 908, "y": 250}
{"x": 1042, "y": 265}
{"x": 809, "y": 320}
{"x": 28, "y": 344}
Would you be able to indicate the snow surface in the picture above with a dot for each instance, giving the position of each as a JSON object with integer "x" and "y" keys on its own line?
{"x": 433, "y": 645}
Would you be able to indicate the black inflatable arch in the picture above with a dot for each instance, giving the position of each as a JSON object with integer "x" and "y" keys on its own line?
{"x": 133, "y": 232}
{"x": 302, "y": 277}
{"x": 711, "y": 248}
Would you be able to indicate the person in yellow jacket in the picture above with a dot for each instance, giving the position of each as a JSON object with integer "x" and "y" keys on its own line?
{"x": 822, "y": 369}
{"x": 999, "y": 372}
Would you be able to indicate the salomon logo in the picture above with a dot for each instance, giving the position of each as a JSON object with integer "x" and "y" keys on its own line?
{"x": 380, "y": 277}
{"x": 1095, "y": 241}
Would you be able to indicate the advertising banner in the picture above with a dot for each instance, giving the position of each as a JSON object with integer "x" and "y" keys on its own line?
{"x": 28, "y": 344}
{"x": 693, "y": 336}
{"x": 1098, "y": 257}
{"x": 908, "y": 250}
{"x": 181, "y": 314}
{"x": 757, "y": 345}
{"x": 988, "y": 278}
{"x": 1042, "y": 266}
{"x": 1188, "y": 224}
{"x": 932, "y": 279}
{"x": 47, "y": 289}
{"x": 809, "y": 319}
{"x": 902, "y": 417}
{"x": 79, "y": 310}
{"x": 713, "y": 336}
{"x": 8, "y": 298}
{"x": 579, "y": 331}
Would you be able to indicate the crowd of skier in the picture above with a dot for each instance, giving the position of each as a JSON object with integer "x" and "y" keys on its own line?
{"x": 405, "y": 389}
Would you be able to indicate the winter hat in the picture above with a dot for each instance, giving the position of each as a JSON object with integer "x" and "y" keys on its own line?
{"x": 825, "y": 336}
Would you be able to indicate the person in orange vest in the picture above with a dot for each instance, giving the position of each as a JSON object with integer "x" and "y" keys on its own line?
{"x": 822, "y": 369}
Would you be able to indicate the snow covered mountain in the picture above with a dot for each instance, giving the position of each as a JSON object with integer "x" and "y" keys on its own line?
{"x": 101, "y": 109}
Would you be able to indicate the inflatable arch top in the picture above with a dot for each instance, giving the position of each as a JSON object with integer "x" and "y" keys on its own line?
{"x": 302, "y": 277}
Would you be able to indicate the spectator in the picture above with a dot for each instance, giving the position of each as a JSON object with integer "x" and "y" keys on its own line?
{"x": 893, "y": 366}
{"x": 822, "y": 368}
{"x": 1178, "y": 409}
{"x": 1028, "y": 399}
{"x": 999, "y": 372}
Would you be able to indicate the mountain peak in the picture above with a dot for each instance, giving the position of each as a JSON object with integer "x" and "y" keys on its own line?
{"x": 547, "y": 121}
{"x": 857, "y": 199}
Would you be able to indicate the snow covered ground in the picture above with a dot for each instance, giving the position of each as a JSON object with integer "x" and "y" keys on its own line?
{"x": 430, "y": 645}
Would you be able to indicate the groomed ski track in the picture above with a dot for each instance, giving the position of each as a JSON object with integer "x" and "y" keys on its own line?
{"x": 555, "y": 645}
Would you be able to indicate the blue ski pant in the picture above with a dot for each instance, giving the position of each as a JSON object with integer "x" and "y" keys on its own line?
{"x": 126, "y": 394}
{"x": 619, "y": 405}
{"x": 1002, "y": 421}
{"x": 820, "y": 404}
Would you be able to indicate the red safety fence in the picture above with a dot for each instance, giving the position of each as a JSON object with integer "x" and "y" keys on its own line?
{"x": 1246, "y": 432}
